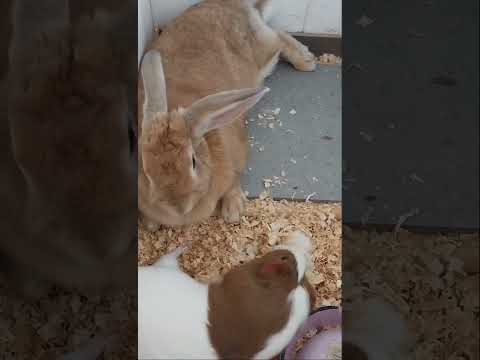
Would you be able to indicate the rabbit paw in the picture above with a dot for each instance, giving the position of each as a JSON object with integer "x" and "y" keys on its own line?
{"x": 233, "y": 205}
{"x": 296, "y": 53}
{"x": 306, "y": 60}
{"x": 151, "y": 226}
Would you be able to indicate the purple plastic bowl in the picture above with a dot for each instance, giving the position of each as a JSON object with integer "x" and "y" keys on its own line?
{"x": 317, "y": 346}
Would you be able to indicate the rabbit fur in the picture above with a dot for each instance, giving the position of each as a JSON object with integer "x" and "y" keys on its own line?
{"x": 198, "y": 79}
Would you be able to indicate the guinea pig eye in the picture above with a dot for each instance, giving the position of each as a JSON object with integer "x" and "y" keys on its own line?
{"x": 194, "y": 162}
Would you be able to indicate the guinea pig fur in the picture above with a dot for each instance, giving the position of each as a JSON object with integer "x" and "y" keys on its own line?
{"x": 252, "y": 313}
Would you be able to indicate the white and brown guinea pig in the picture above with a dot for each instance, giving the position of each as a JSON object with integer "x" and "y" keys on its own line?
{"x": 252, "y": 313}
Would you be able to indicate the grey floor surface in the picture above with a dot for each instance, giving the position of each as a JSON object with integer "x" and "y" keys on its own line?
{"x": 410, "y": 117}
{"x": 295, "y": 136}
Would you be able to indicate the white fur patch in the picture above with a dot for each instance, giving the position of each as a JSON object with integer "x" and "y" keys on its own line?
{"x": 172, "y": 314}
{"x": 300, "y": 246}
{"x": 300, "y": 305}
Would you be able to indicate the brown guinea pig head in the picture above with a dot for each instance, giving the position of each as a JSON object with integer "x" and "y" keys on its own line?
{"x": 286, "y": 265}
{"x": 277, "y": 269}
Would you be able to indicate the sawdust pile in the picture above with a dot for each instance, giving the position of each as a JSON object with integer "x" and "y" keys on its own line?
{"x": 329, "y": 59}
{"x": 65, "y": 322}
{"x": 432, "y": 280}
{"x": 304, "y": 339}
{"x": 215, "y": 247}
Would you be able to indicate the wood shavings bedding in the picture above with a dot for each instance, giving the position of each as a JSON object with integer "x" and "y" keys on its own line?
{"x": 329, "y": 59}
{"x": 215, "y": 246}
{"x": 309, "y": 335}
{"x": 431, "y": 279}
{"x": 304, "y": 339}
{"x": 63, "y": 322}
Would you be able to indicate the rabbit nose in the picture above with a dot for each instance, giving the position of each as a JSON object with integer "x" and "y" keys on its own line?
{"x": 180, "y": 209}
{"x": 185, "y": 207}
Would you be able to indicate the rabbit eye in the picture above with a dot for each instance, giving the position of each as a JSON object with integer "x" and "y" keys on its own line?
{"x": 194, "y": 163}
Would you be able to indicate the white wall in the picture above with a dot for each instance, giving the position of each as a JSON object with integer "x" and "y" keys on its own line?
{"x": 323, "y": 17}
{"x": 309, "y": 16}
{"x": 145, "y": 26}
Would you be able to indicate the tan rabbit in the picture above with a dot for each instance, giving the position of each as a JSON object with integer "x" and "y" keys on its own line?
{"x": 215, "y": 57}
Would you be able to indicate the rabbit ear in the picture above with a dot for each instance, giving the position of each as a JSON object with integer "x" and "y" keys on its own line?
{"x": 153, "y": 84}
{"x": 221, "y": 109}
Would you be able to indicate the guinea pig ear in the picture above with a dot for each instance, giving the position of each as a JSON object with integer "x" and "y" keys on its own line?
{"x": 273, "y": 269}
{"x": 221, "y": 109}
{"x": 153, "y": 84}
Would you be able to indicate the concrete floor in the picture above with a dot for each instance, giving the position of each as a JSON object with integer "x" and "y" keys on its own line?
{"x": 297, "y": 153}
{"x": 410, "y": 114}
